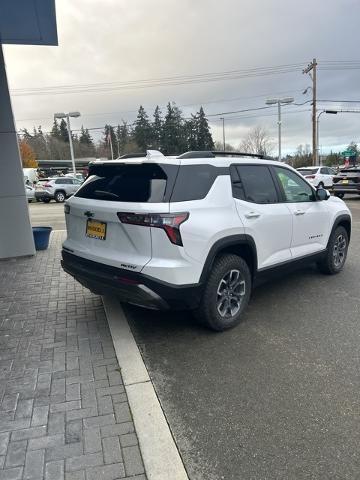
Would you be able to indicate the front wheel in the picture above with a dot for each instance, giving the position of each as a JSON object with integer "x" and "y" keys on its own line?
{"x": 339, "y": 194}
{"x": 226, "y": 293}
{"x": 336, "y": 252}
{"x": 59, "y": 197}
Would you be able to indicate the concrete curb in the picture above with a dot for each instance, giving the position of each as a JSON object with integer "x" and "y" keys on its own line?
{"x": 161, "y": 457}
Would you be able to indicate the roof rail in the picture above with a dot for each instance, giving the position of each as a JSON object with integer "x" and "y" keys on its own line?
{"x": 214, "y": 153}
{"x": 133, "y": 155}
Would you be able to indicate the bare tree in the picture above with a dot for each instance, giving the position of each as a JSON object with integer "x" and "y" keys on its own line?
{"x": 257, "y": 141}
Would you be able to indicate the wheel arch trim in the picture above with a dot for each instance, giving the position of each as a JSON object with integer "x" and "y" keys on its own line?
{"x": 224, "y": 243}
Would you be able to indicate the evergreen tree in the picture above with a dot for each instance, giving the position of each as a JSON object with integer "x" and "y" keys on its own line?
{"x": 173, "y": 132}
{"x": 191, "y": 133}
{"x": 55, "y": 131}
{"x": 85, "y": 137}
{"x": 157, "y": 129}
{"x": 122, "y": 137}
{"x": 63, "y": 131}
{"x": 204, "y": 137}
{"x": 109, "y": 134}
{"x": 142, "y": 131}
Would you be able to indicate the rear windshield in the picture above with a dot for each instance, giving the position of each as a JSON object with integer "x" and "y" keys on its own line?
{"x": 308, "y": 171}
{"x": 149, "y": 183}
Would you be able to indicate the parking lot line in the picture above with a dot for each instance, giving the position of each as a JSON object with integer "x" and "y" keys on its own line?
{"x": 161, "y": 457}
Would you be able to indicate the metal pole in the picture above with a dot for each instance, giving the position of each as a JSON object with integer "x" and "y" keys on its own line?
{"x": 317, "y": 140}
{"x": 111, "y": 148}
{"x": 71, "y": 144}
{"x": 314, "y": 134}
{"x": 279, "y": 123}
{"x": 223, "y": 125}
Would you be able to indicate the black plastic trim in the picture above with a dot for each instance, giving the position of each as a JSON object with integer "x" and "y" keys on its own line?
{"x": 104, "y": 279}
{"x": 342, "y": 218}
{"x": 222, "y": 244}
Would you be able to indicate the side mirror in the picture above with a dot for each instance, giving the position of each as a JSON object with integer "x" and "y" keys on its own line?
{"x": 322, "y": 194}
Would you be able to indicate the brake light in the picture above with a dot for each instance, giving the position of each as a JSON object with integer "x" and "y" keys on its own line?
{"x": 170, "y": 222}
{"x": 47, "y": 185}
{"x": 310, "y": 176}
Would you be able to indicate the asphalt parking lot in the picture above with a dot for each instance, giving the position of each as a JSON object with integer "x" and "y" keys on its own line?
{"x": 275, "y": 398}
{"x": 47, "y": 215}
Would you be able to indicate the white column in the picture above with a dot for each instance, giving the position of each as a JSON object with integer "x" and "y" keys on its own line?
{"x": 16, "y": 237}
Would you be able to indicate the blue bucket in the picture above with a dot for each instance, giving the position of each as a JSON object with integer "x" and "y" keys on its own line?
{"x": 41, "y": 237}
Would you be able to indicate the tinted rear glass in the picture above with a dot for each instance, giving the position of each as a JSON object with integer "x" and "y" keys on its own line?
{"x": 308, "y": 171}
{"x": 254, "y": 183}
{"x": 141, "y": 183}
{"x": 194, "y": 182}
{"x": 353, "y": 170}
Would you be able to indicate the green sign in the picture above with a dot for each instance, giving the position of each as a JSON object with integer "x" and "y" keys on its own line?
{"x": 348, "y": 153}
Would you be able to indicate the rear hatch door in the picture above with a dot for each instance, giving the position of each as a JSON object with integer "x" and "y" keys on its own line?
{"x": 93, "y": 225}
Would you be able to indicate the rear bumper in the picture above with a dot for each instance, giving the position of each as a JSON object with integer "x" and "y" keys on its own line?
{"x": 43, "y": 194}
{"x": 346, "y": 188}
{"x": 130, "y": 287}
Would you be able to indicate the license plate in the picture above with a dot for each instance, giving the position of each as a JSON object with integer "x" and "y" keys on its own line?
{"x": 95, "y": 229}
{"x": 345, "y": 182}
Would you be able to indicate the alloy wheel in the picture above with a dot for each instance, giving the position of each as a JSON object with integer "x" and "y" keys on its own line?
{"x": 339, "y": 250}
{"x": 230, "y": 293}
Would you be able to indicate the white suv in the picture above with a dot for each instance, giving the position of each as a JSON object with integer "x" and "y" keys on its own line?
{"x": 318, "y": 176}
{"x": 198, "y": 231}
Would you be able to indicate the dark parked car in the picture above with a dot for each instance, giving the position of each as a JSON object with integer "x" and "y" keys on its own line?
{"x": 347, "y": 181}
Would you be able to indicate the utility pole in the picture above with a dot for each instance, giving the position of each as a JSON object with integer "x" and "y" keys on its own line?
{"x": 223, "y": 127}
{"x": 308, "y": 69}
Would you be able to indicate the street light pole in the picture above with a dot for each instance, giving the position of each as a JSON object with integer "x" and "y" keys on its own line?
{"x": 67, "y": 116}
{"x": 71, "y": 144}
{"x": 223, "y": 127}
{"x": 279, "y": 102}
{"x": 279, "y": 124}
{"x": 334, "y": 112}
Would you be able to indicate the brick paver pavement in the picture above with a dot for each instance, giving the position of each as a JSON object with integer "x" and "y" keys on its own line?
{"x": 63, "y": 411}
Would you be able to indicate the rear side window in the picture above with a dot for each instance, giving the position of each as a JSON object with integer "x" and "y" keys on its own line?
{"x": 194, "y": 182}
{"x": 63, "y": 181}
{"x": 253, "y": 183}
{"x": 143, "y": 183}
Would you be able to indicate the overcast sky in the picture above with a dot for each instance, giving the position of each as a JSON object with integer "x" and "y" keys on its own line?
{"x": 118, "y": 41}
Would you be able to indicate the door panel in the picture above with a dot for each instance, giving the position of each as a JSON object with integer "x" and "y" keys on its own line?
{"x": 266, "y": 220}
{"x": 310, "y": 217}
{"x": 271, "y": 228}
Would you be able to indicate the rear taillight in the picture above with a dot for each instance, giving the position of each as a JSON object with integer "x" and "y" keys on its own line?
{"x": 310, "y": 176}
{"x": 47, "y": 185}
{"x": 170, "y": 222}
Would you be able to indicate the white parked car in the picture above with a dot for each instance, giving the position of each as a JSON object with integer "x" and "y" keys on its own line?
{"x": 198, "y": 231}
{"x": 318, "y": 176}
{"x": 30, "y": 193}
{"x": 57, "y": 188}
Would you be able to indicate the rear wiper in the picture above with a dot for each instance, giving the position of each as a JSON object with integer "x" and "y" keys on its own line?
{"x": 103, "y": 193}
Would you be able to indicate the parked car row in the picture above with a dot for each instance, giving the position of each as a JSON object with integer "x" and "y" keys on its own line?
{"x": 345, "y": 181}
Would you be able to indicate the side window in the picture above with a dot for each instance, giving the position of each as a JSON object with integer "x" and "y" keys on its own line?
{"x": 294, "y": 187}
{"x": 324, "y": 171}
{"x": 193, "y": 182}
{"x": 254, "y": 183}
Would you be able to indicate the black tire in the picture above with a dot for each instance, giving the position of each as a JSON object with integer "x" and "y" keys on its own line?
{"x": 46, "y": 200}
{"x": 234, "y": 298}
{"x": 339, "y": 194}
{"x": 60, "y": 196}
{"x": 336, "y": 252}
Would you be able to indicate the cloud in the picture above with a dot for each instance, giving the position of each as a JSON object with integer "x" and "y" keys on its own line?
{"x": 117, "y": 40}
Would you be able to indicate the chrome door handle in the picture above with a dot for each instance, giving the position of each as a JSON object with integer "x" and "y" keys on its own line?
{"x": 252, "y": 215}
{"x": 299, "y": 212}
